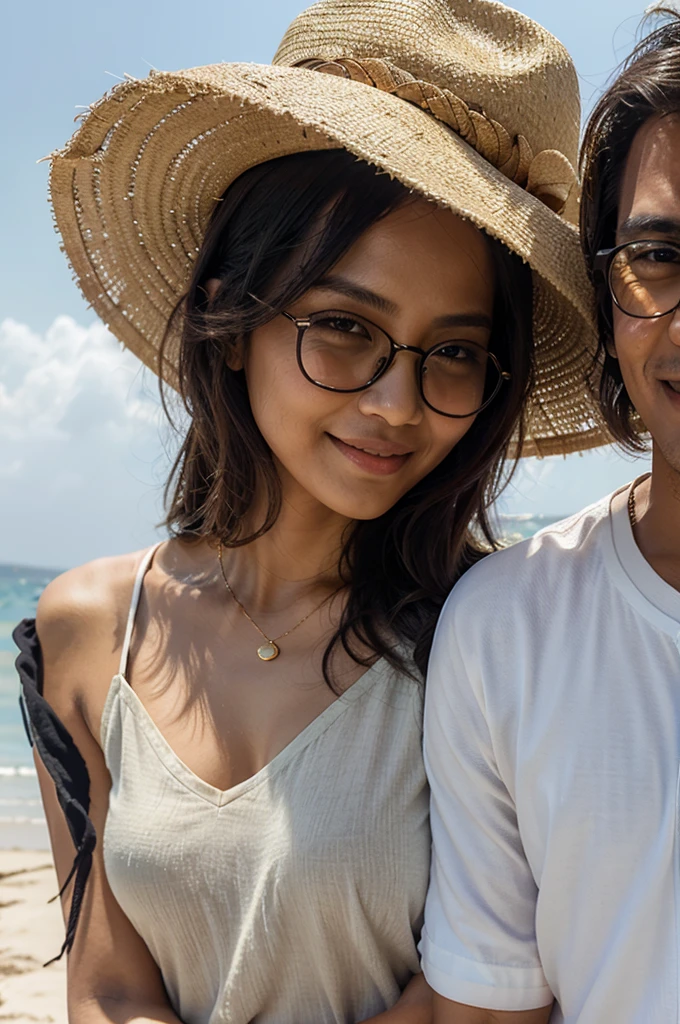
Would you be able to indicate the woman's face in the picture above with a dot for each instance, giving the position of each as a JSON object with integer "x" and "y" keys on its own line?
{"x": 424, "y": 276}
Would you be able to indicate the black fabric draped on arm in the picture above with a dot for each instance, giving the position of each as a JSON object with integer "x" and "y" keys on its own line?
{"x": 63, "y": 762}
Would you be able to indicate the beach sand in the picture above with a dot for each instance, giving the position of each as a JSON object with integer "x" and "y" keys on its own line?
{"x": 31, "y": 932}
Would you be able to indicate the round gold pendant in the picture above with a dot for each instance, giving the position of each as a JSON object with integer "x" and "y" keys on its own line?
{"x": 268, "y": 651}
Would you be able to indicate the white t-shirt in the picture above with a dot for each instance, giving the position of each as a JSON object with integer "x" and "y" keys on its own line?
{"x": 552, "y": 743}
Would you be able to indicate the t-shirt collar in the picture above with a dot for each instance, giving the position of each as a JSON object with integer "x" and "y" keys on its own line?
{"x": 659, "y": 594}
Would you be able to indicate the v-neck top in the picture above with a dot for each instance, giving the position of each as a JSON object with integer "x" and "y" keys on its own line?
{"x": 294, "y": 897}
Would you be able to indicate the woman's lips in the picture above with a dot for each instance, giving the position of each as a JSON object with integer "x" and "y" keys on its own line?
{"x": 379, "y": 465}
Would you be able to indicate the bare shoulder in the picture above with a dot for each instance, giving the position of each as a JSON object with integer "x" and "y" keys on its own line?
{"x": 84, "y": 600}
{"x": 81, "y": 617}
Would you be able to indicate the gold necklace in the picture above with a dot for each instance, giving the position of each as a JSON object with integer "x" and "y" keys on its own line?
{"x": 632, "y": 508}
{"x": 269, "y": 650}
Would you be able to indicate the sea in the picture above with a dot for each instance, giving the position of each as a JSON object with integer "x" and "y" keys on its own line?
{"x": 22, "y": 824}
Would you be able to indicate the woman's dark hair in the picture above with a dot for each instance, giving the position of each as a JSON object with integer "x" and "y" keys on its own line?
{"x": 277, "y": 230}
{"x": 648, "y": 86}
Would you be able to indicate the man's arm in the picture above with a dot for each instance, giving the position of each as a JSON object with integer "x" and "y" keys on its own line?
{"x": 446, "y": 1012}
{"x": 420, "y": 1005}
{"x": 479, "y": 945}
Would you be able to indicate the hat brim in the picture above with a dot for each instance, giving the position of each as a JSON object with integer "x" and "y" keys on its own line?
{"x": 134, "y": 189}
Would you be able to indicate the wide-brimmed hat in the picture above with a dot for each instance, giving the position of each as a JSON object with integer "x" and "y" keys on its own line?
{"x": 468, "y": 102}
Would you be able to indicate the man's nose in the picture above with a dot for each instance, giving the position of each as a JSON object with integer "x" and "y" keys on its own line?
{"x": 674, "y": 327}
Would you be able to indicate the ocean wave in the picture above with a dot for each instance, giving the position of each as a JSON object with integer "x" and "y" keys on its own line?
{"x": 10, "y": 771}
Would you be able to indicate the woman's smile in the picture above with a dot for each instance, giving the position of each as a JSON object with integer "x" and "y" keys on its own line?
{"x": 373, "y": 455}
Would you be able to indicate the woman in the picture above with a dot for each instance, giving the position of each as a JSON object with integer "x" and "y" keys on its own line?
{"x": 355, "y": 361}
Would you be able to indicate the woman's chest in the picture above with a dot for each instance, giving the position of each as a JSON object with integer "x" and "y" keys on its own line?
{"x": 341, "y": 813}
{"x": 229, "y": 720}
{"x": 319, "y": 842}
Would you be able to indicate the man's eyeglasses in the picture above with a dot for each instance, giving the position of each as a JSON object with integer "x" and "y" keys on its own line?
{"x": 340, "y": 351}
{"x": 643, "y": 277}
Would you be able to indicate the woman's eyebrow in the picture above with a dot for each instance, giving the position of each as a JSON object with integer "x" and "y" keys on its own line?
{"x": 351, "y": 290}
{"x": 636, "y": 227}
{"x": 343, "y": 286}
{"x": 463, "y": 320}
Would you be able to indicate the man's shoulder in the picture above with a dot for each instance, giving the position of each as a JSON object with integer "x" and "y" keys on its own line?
{"x": 526, "y": 574}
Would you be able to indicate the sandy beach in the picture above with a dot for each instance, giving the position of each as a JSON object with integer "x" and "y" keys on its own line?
{"x": 31, "y": 932}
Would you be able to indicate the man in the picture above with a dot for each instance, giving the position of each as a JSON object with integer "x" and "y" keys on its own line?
{"x": 552, "y": 727}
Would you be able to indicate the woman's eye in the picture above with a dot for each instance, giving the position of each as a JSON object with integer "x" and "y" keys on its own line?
{"x": 457, "y": 353}
{"x": 344, "y": 325}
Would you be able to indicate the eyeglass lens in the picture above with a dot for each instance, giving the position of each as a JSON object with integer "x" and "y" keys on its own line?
{"x": 347, "y": 353}
{"x": 645, "y": 278}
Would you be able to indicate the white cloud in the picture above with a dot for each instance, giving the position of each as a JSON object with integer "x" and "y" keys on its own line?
{"x": 81, "y": 451}
{"x": 72, "y": 378}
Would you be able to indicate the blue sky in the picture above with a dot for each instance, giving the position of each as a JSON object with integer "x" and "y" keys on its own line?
{"x": 82, "y": 448}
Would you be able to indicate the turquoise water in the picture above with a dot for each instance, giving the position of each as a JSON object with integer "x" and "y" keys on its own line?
{"x": 20, "y": 808}
{"x": 20, "y": 588}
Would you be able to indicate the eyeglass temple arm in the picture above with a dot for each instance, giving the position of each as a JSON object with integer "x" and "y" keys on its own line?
{"x": 298, "y": 323}
{"x": 601, "y": 261}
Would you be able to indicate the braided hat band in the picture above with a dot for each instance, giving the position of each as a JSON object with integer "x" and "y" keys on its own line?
{"x": 549, "y": 175}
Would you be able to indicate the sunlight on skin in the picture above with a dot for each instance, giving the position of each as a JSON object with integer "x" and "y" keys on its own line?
{"x": 649, "y": 350}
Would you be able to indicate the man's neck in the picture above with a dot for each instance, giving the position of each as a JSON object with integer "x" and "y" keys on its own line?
{"x": 658, "y": 512}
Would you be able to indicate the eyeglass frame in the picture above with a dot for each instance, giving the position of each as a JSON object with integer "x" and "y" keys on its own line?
{"x": 604, "y": 260}
{"x": 303, "y": 323}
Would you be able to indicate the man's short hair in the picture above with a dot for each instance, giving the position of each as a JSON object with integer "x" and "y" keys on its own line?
{"x": 648, "y": 86}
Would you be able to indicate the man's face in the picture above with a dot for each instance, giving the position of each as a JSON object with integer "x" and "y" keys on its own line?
{"x": 649, "y": 350}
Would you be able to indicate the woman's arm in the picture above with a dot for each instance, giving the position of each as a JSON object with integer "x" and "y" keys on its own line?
{"x": 104, "y": 999}
{"x": 414, "y": 1006}
{"x": 112, "y": 978}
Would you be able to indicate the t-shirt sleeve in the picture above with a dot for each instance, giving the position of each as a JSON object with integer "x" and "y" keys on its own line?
{"x": 479, "y": 942}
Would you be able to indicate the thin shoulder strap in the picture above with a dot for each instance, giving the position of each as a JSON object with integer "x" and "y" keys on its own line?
{"x": 136, "y": 593}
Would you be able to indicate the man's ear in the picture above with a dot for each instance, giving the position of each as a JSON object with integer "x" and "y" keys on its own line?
{"x": 609, "y": 345}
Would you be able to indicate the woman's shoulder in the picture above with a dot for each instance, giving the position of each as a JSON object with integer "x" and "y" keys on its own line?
{"x": 82, "y": 613}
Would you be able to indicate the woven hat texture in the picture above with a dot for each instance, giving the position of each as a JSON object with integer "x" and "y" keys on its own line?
{"x": 468, "y": 102}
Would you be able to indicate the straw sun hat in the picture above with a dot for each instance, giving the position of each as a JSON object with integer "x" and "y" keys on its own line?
{"x": 466, "y": 101}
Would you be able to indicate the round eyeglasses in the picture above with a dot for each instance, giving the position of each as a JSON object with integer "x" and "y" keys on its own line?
{"x": 643, "y": 277}
{"x": 340, "y": 351}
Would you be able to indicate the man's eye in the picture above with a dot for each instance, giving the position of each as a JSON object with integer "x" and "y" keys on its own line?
{"x": 663, "y": 255}
{"x": 660, "y": 255}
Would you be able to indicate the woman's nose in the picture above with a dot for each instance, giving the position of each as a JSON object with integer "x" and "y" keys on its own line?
{"x": 395, "y": 396}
